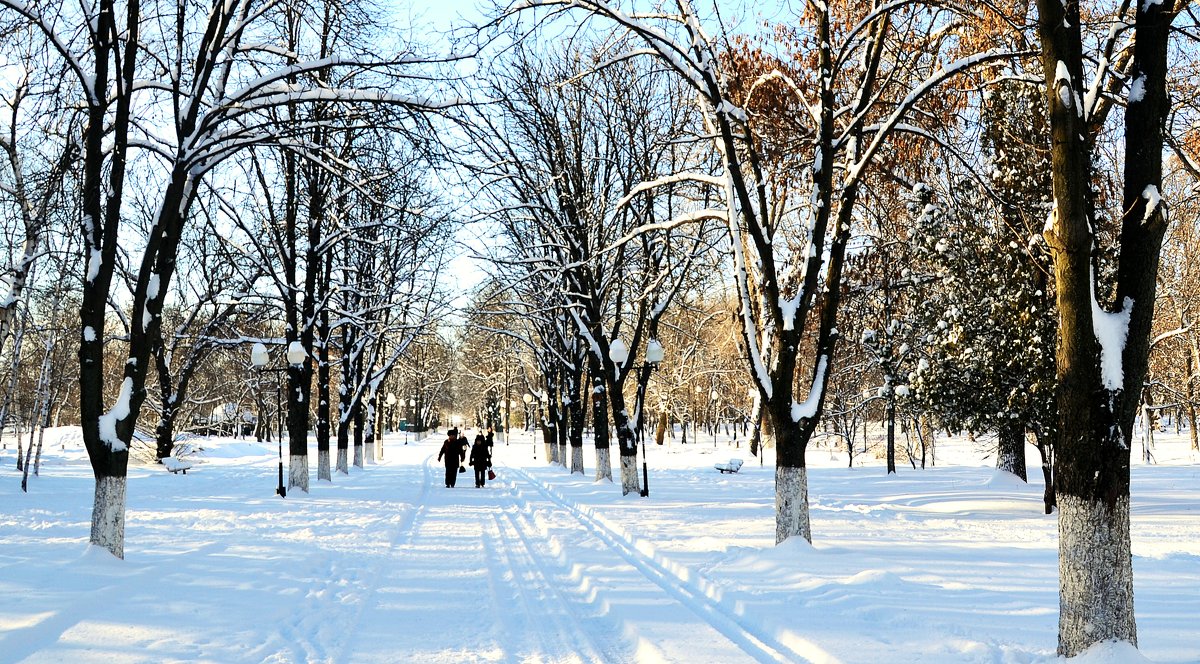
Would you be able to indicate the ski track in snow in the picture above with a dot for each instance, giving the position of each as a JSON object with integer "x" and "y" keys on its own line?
{"x": 696, "y": 593}
{"x": 322, "y": 627}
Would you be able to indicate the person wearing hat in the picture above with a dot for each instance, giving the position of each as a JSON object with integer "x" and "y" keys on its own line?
{"x": 452, "y": 455}
{"x": 481, "y": 459}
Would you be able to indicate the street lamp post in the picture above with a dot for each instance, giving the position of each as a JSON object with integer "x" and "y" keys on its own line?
{"x": 259, "y": 358}
{"x": 618, "y": 353}
{"x": 412, "y": 403}
{"x": 528, "y": 399}
{"x": 542, "y": 413}
{"x": 391, "y": 414}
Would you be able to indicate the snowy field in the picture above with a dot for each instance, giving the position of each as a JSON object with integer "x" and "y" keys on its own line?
{"x": 949, "y": 564}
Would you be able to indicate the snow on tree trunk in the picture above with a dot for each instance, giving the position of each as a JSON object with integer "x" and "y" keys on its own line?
{"x": 576, "y": 460}
{"x": 108, "y": 515}
{"x": 358, "y": 455}
{"x": 629, "y": 476}
{"x": 298, "y": 472}
{"x": 343, "y": 464}
{"x": 603, "y": 464}
{"x": 1095, "y": 574}
{"x": 791, "y": 503}
{"x": 323, "y": 466}
{"x": 1010, "y": 453}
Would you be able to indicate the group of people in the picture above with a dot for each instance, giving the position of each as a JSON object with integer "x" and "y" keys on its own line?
{"x": 455, "y": 452}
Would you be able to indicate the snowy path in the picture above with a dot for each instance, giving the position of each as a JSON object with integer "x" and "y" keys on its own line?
{"x": 484, "y": 575}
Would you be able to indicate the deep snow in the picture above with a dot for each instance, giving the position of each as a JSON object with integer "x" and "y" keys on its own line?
{"x": 955, "y": 563}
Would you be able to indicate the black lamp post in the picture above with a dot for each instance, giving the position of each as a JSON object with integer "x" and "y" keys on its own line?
{"x": 259, "y": 358}
{"x": 618, "y": 353}
{"x": 408, "y": 422}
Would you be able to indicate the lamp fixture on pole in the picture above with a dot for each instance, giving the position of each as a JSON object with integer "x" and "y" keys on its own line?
{"x": 259, "y": 357}
{"x": 618, "y": 352}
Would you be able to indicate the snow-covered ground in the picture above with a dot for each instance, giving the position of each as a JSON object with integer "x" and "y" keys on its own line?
{"x": 951, "y": 564}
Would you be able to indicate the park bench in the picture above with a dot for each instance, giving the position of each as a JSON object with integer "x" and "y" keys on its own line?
{"x": 732, "y": 466}
{"x": 176, "y": 465}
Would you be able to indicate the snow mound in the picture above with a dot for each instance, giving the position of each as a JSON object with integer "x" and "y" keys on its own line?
{"x": 1110, "y": 652}
{"x": 1005, "y": 481}
{"x": 232, "y": 450}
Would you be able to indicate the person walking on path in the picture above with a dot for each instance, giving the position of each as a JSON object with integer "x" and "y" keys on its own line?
{"x": 452, "y": 455}
{"x": 481, "y": 460}
{"x": 491, "y": 438}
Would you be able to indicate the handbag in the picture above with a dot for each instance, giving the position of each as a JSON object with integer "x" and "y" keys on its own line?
{"x": 491, "y": 474}
{"x": 462, "y": 469}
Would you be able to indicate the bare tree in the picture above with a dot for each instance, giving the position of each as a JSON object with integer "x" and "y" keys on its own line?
{"x": 788, "y": 262}
{"x": 205, "y": 74}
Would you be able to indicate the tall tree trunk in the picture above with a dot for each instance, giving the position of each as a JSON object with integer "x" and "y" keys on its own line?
{"x": 324, "y": 407}
{"x": 299, "y": 378}
{"x": 358, "y": 434}
{"x": 756, "y": 418}
{"x": 791, "y": 475}
{"x": 1100, "y": 381}
{"x": 599, "y": 403}
{"x": 626, "y": 439}
{"x": 577, "y": 412}
{"x": 548, "y": 433}
{"x": 1046, "y": 451}
{"x": 891, "y": 432}
{"x": 1010, "y": 449}
{"x": 104, "y": 153}
{"x": 371, "y": 421}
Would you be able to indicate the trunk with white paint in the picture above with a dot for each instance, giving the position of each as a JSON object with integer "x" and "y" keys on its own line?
{"x": 1095, "y": 571}
{"x": 603, "y": 464}
{"x": 576, "y": 460}
{"x": 323, "y": 466}
{"x": 298, "y": 472}
{"x": 791, "y": 504}
{"x": 629, "y": 476}
{"x": 108, "y": 515}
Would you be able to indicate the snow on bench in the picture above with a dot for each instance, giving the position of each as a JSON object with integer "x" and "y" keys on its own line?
{"x": 733, "y": 466}
{"x": 176, "y": 465}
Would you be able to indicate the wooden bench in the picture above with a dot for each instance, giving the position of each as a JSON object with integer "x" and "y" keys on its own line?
{"x": 733, "y": 466}
{"x": 176, "y": 465}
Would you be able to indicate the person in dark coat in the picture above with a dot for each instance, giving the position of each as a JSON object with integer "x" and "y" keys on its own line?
{"x": 491, "y": 439}
{"x": 464, "y": 444}
{"x": 453, "y": 456}
{"x": 481, "y": 460}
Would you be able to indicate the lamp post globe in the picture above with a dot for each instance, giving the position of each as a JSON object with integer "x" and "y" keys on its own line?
{"x": 618, "y": 352}
{"x": 296, "y": 353}
{"x": 654, "y": 352}
{"x": 259, "y": 355}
